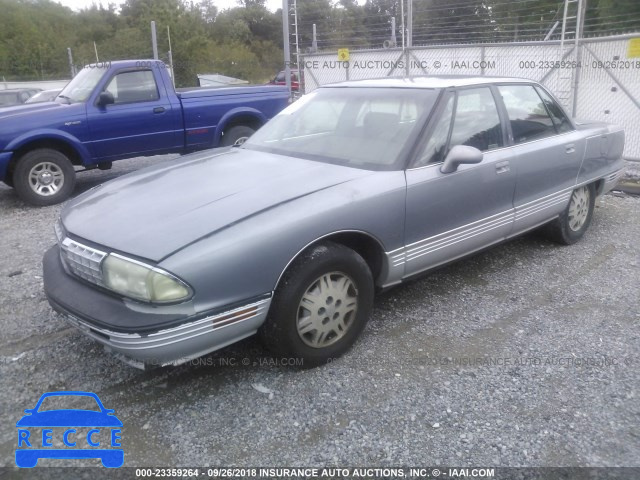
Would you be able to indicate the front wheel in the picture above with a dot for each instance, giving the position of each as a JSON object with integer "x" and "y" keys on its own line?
{"x": 321, "y": 305}
{"x": 236, "y": 136}
{"x": 44, "y": 177}
{"x": 571, "y": 225}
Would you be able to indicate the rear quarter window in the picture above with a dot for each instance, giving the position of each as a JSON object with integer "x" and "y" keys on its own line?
{"x": 558, "y": 116}
{"x": 528, "y": 115}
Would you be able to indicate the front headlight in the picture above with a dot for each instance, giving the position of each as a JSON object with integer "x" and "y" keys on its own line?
{"x": 140, "y": 281}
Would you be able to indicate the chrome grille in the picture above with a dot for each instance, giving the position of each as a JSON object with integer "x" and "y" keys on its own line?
{"x": 82, "y": 261}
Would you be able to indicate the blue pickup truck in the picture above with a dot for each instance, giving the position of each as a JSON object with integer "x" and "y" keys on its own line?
{"x": 121, "y": 110}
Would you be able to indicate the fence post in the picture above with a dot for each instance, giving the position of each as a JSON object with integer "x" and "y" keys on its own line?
{"x": 154, "y": 41}
{"x": 578, "y": 45}
{"x": 285, "y": 38}
{"x": 409, "y": 23}
{"x": 407, "y": 70}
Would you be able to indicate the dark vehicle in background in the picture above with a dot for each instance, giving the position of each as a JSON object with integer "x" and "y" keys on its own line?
{"x": 121, "y": 110}
{"x": 281, "y": 79}
{"x": 355, "y": 187}
{"x": 44, "y": 96}
{"x": 16, "y": 96}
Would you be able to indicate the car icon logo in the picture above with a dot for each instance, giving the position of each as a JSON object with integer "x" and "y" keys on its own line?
{"x": 69, "y": 433}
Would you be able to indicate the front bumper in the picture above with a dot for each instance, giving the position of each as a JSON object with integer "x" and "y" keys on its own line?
{"x": 178, "y": 337}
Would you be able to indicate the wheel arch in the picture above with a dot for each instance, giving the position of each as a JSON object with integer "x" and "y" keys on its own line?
{"x": 599, "y": 186}
{"x": 363, "y": 243}
{"x": 76, "y": 154}
{"x": 249, "y": 117}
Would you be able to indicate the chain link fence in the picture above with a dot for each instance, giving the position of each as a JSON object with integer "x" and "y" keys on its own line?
{"x": 596, "y": 79}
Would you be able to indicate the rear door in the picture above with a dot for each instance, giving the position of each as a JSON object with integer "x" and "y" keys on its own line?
{"x": 141, "y": 121}
{"x": 451, "y": 214}
{"x": 547, "y": 154}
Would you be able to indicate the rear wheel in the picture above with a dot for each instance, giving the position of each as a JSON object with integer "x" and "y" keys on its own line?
{"x": 571, "y": 225}
{"x": 236, "y": 135}
{"x": 44, "y": 177}
{"x": 321, "y": 305}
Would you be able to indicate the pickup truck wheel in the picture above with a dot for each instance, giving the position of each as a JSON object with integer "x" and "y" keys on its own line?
{"x": 321, "y": 305}
{"x": 8, "y": 181}
{"x": 236, "y": 136}
{"x": 44, "y": 177}
{"x": 570, "y": 226}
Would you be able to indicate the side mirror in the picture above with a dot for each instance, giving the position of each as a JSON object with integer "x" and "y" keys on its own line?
{"x": 458, "y": 155}
{"x": 106, "y": 98}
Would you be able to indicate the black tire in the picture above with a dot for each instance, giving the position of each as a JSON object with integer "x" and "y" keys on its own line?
{"x": 563, "y": 229}
{"x": 8, "y": 181}
{"x": 231, "y": 136}
{"x": 50, "y": 162}
{"x": 280, "y": 331}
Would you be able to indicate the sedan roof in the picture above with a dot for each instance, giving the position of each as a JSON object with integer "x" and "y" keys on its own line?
{"x": 436, "y": 81}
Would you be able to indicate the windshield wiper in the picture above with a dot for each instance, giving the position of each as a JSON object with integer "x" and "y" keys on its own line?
{"x": 68, "y": 99}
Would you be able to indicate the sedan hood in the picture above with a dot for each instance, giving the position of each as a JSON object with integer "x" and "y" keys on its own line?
{"x": 157, "y": 211}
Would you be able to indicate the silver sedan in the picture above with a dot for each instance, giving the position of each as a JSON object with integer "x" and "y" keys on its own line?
{"x": 354, "y": 188}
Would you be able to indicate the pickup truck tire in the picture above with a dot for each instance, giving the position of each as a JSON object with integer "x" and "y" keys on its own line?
{"x": 44, "y": 177}
{"x": 237, "y": 135}
{"x": 321, "y": 305}
{"x": 570, "y": 226}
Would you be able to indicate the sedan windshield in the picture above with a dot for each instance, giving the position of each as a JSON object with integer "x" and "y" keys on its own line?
{"x": 357, "y": 127}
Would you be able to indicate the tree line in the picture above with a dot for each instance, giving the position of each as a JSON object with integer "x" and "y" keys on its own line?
{"x": 246, "y": 41}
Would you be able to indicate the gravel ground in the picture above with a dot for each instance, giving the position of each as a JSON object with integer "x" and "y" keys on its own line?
{"x": 525, "y": 355}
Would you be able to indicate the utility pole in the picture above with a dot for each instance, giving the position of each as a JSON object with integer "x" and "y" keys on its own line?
{"x": 402, "y": 22}
{"x": 72, "y": 70}
{"x": 394, "y": 40}
{"x": 314, "y": 40}
{"x": 173, "y": 76}
{"x": 285, "y": 38}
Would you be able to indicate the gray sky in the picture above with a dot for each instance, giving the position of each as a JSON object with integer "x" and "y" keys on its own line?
{"x": 272, "y": 5}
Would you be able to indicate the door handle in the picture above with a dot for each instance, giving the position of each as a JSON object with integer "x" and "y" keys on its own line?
{"x": 570, "y": 148}
{"x": 502, "y": 167}
{"x": 158, "y": 110}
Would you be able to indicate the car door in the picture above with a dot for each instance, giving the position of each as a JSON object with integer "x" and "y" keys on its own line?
{"x": 548, "y": 152}
{"x": 451, "y": 214}
{"x": 141, "y": 119}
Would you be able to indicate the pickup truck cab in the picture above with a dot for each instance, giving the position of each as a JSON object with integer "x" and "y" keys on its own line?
{"x": 118, "y": 110}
